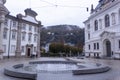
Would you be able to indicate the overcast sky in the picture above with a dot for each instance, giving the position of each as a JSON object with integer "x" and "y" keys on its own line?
{"x": 54, "y": 12}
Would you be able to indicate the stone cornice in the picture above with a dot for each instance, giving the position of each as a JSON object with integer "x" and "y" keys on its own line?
{"x": 23, "y": 32}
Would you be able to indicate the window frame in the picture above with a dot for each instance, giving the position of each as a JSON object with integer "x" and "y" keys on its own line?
{"x": 96, "y": 25}
{"x": 107, "y": 20}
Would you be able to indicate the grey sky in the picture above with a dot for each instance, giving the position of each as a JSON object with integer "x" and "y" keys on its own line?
{"x": 51, "y": 14}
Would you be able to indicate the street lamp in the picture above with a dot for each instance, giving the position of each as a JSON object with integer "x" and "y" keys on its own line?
{"x": 9, "y": 39}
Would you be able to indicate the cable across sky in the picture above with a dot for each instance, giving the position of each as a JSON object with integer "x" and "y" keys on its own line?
{"x": 56, "y": 5}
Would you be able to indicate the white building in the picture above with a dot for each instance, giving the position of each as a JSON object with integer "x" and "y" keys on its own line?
{"x": 3, "y": 11}
{"x": 102, "y": 30}
{"x": 21, "y": 35}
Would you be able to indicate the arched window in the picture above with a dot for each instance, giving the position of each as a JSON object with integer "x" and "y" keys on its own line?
{"x": 107, "y": 20}
{"x": 113, "y": 18}
{"x": 96, "y": 25}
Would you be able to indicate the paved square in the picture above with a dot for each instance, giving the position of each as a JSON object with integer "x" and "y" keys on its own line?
{"x": 113, "y": 74}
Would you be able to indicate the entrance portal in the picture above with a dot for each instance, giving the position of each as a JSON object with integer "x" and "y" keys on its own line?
{"x": 108, "y": 48}
{"x": 28, "y": 52}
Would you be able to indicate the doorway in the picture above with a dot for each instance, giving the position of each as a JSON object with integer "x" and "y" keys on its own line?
{"x": 108, "y": 48}
{"x": 28, "y": 52}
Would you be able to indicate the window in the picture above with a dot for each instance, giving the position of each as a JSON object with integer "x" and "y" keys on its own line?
{"x": 14, "y": 23}
{"x": 4, "y": 48}
{"x": 6, "y": 22}
{"x": 89, "y": 46}
{"x": 23, "y": 26}
{"x": 97, "y": 45}
{"x": 100, "y": 23}
{"x": 13, "y": 34}
{"x": 22, "y": 49}
{"x": 34, "y": 49}
{"x": 96, "y": 25}
{"x": 35, "y": 29}
{"x": 30, "y": 27}
{"x": 88, "y": 26}
{"x": 88, "y": 35}
{"x": 23, "y": 36}
{"x": 119, "y": 44}
{"x": 107, "y": 21}
{"x": 119, "y": 15}
{"x": 35, "y": 38}
{"x": 29, "y": 37}
{"x": 94, "y": 46}
{"x": 5, "y": 34}
{"x": 113, "y": 18}
{"x": 12, "y": 48}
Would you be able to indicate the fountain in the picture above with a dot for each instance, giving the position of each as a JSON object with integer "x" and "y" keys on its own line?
{"x": 32, "y": 69}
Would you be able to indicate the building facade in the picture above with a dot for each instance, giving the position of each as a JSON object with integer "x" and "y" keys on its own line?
{"x": 102, "y": 30}
{"x": 3, "y": 12}
{"x": 21, "y": 35}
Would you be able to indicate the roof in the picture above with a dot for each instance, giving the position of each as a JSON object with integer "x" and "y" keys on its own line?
{"x": 30, "y": 12}
{"x": 102, "y": 3}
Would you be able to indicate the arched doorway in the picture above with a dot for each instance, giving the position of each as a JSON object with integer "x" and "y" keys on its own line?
{"x": 108, "y": 48}
{"x": 29, "y": 50}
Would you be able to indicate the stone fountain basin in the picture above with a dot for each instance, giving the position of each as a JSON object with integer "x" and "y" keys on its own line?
{"x": 15, "y": 72}
{"x": 100, "y": 68}
{"x": 84, "y": 68}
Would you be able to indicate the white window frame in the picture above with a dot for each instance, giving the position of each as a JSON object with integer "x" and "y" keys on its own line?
{"x": 30, "y": 27}
{"x": 23, "y": 36}
{"x": 14, "y": 24}
{"x": 23, "y": 26}
{"x": 4, "y": 48}
{"x": 22, "y": 49}
{"x": 13, "y": 48}
{"x": 13, "y": 35}
{"x": 5, "y": 34}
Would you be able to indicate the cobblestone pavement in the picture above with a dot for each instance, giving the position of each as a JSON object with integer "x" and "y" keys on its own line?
{"x": 113, "y": 74}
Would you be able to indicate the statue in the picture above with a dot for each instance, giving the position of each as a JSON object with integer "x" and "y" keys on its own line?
{"x": 3, "y": 11}
{"x": 2, "y": 1}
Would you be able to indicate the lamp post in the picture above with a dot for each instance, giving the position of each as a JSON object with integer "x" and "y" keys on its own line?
{"x": 38, "y": 40}
{"x": 9, "y": 40}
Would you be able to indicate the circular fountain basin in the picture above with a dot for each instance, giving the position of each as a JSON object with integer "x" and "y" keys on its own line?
{"x": 52, "y": 66}
{"x": 31, "y": 70}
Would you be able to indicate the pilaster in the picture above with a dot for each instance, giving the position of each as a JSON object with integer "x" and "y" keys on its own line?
{"x": 1, "y": 40}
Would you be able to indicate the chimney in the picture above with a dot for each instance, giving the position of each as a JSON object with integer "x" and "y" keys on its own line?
{"x": 92, "y": 8}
